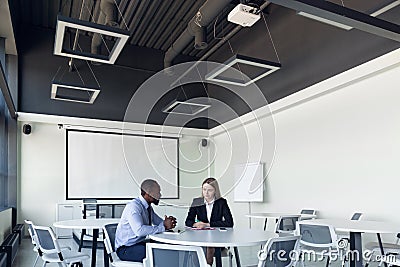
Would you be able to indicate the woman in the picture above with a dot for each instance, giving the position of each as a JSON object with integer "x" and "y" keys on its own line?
{"x": 210, "y": 210}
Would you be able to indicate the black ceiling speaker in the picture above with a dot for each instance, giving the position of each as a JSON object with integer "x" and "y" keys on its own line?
{"x": 204, "y": 142}
{"x": 27, "y": 129}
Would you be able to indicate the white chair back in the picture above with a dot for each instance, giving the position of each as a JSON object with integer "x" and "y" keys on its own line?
{"x": 46, "y": 239}
{"x": 279, "y": 252}
{"x": 308, "y": 212}
{"x": 287, "y": 224}
{"x": 317, "y": 235}
{"x": 166, "y": 255}
{"x": 356, "y": 216}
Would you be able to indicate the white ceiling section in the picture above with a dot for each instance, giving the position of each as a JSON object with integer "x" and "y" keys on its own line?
{"x": 6, "y": 29}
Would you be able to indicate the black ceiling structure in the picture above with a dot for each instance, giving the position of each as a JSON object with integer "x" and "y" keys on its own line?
{"x": 308, "y": 51}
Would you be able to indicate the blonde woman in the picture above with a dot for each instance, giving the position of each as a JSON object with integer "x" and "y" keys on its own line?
{"x": 210, "y": 210}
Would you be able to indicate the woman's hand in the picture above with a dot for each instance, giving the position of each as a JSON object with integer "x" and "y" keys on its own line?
{"x": 201, "y": 225}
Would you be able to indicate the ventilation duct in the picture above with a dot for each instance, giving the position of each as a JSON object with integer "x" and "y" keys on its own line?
{"x": 108, "y": 16}
{"x": 196, "y": 28}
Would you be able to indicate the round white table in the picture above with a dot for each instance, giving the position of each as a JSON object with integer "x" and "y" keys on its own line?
{"x": 84, "y": 223}
{"x": 356, "y": 228}
{"x": 276, "y": 215}
{"x": 92, "y": 224}
{"x": 232, "y": 237}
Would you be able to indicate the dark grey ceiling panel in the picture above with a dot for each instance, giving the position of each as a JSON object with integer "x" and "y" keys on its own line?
{"x": 309, "y": 52}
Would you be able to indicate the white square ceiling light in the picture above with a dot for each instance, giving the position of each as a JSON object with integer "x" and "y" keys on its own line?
{"x": 253, "y": 69}
{"x": 121, "y": 36}
{"x": 73, "y": 93}
{"x": 185, "y": 108}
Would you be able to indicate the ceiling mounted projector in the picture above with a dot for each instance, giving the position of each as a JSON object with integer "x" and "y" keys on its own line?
{"x": 244, "y": 15}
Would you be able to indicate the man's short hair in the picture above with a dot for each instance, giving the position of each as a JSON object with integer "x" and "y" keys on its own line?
{"x": 148, "y": 186}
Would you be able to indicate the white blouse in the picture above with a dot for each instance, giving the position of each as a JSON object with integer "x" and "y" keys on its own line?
{"x": 209, "y": 207}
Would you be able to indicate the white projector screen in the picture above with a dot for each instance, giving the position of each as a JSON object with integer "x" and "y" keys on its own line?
{"x": 112, "y": 166}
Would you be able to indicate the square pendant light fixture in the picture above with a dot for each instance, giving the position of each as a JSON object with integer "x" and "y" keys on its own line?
{"x": 337, "y": 14}
{"x": 346, "y": 27}
{"x": 326, "y": 21}
{"x": 73, "y": 93}
{"x": 185, "y": 107}
{"x": 65, "y": 22}
{"x": 253, "y": 69}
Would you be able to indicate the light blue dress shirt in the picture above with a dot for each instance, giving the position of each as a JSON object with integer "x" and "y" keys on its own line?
{"x": 133, "y": 226}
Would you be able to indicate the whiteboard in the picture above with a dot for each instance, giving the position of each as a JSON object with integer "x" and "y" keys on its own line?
{"x": 97, "y": 166}
{"x": 249, "y": 182}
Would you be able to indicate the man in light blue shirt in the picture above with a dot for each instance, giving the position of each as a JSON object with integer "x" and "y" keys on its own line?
{"x": 139, "y": 220}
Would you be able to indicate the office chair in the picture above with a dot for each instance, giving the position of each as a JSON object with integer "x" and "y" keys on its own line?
{"x": 307, "y": 212}
{"x": 319, "y": 238}
{"x": 167, "y": 255}
{"x": 286, "y": 225}
{"x": 109, "y": 243}
{"x": 35, "y": 242}
{"x": 356, "y": 216}
{"x": 269, "y": 257}
{"x": 389, "y": 249}
{"x": 52, "y": 253}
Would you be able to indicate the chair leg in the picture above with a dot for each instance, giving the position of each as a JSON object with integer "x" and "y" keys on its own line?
{"x": 328, "y": 261}
{"x": 302, "y": 260}
{"x": 44, "y": 263}
{"x": 81, "y": 241}
{"x": 37, "y": 257}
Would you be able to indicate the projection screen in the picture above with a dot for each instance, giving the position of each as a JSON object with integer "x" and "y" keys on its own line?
{"x": 97, "y": 166}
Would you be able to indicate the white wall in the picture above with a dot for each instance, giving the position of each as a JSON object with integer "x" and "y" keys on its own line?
{"x": 337, "y": 153}
{"x": 41, "y": 180}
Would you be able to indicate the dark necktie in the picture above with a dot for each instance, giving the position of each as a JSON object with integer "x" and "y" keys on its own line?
{"x": 149, "y": 213}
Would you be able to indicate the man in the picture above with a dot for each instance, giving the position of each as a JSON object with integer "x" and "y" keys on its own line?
{"x": 139, "y": 220}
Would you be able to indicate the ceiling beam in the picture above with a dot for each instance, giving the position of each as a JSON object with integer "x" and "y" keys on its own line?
{"x": 344, "y": 15}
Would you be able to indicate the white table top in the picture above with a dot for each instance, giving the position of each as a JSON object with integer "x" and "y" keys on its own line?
{"x": 346, "y": 225}
{"x": 232, "y": 237}
{"x": 268, "y": 215}
{"x": 84, "y": 223}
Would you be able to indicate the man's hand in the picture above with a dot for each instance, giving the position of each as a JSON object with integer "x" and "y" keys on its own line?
{"x": 169, "y": 222}
{"x": 201, "y": 225}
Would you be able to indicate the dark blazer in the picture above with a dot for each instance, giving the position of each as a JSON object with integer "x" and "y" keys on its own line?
{"x": 221, "y": 215}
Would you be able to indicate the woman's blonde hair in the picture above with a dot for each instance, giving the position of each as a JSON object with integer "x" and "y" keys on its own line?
{"x": 213, "y": 182}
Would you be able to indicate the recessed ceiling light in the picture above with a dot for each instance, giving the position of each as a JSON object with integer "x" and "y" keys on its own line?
{"x": 121, "y": 36}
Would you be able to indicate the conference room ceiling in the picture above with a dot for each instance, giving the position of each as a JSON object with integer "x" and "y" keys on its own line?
{"x": 309, "y": 52}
